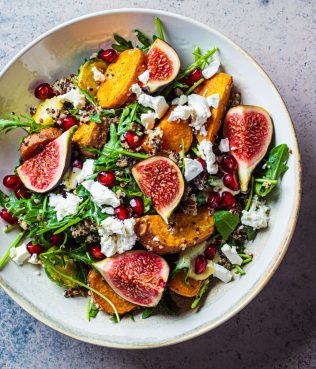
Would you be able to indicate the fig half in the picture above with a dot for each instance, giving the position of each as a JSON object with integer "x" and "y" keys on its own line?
{"x": 160, "y": 179}
{"x": 139, "y": 277}
{"x": 249, "y": 131}
{"x": 163, "y": 64}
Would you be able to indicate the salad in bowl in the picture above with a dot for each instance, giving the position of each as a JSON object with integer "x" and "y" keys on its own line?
{"x": 141, "y": 179}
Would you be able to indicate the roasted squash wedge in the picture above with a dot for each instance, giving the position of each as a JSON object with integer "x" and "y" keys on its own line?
{"x": 86, "y": 79}
{"x": 220, "y": 84}
{"x": 115, "y": 91}
{"x": 173, "y": 134}
{"x": 177, "y": 285}
{"x": 96, "y": 281}
{"x": 188, "y": 230}
{"x": 91, "y": 135}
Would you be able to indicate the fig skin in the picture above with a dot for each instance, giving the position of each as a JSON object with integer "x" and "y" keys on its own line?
{"x": 255, "y": 138}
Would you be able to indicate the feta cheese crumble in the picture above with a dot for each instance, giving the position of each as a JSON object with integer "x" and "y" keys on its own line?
{"x": 97, "y": 75}
{"x": 181, "y": 100}
{"x": 222, "y": 273}
{"x": 75, "y": 97}
{"x": 192, "y": 168}
{"x": 19, "y": 254}
{"x": 231, "y": 253}
{"x": 117, "y": 236}
{"x": 101, "y": 195}
{"x": 224, "y": 145}
{"x": 206, "y": 151}
{"x": 157, "y": 103}
{"x": 213, "y": 100}
{"x": 180, "y": 112}
{"x": 148, "y": 120}
{"x": 211, "y": 69}
{"x": 257, "y": 216}
{"x": 33, "y": 259}
{"x": 201, "y": 112}
{"x": 144, "y": 77}
{"x": 64, "y": 206}
{"x": 136, "y": 89}
{"x": 86, "y": 171}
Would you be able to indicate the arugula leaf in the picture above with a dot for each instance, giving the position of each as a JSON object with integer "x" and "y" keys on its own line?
{"x": 202, "y": 291}
{"x": 275, "y": 168}
{"x": 25, "y": 122}
{"x": 93, "y": 310}
{"x": 95, "y": 118}
{"x": 122, "y": 43}
{"x": 148, "y": 312}
{"x": 225, "y": 222}
{"x": 159, "y": 28}
{"x": 143, "y": 39}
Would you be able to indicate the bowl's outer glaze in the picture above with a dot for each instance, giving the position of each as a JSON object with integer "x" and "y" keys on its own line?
{"x": 61, "y": 51}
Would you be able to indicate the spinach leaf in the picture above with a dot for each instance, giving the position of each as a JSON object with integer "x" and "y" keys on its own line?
{"x": 225, "y": 222}
{"x": 275, "y": 168}
{"x": 122, "y": 43}
{"x": 251, "y": 233}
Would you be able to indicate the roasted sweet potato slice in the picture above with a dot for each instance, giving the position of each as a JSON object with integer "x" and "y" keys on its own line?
{"x": 177, "y": 285}
{"x": 35, "y": 143}
{"x": 220, "y": 84}
{"x": 96, "y": 281}
{"x": 187, "y": 231}
{"x": 86, "y": 76}
{"x": 91, "y": 135}
{"x": 173, "y": 134}
{"x": 116, "y": 89}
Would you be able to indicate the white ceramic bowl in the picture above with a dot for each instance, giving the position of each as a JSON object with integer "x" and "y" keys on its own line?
{"x": 61, "y": 51}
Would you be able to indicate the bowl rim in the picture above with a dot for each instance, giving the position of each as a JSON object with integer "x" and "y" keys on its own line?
{"x": 250, "y": 295}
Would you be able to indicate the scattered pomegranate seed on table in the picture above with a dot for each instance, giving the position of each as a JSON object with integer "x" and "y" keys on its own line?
{"x": 228, "y": 200}
{"x": 34, "y": 249}
{"x": 132, "y": 139}
{"x": 231, "y": 182}
{"x": 121, "y": 212}
{"x": 43, "y": 91}
{"x": 57, "y": 239}
{"x": 8, "y": 217}
{"x": 109, "y": 55}
{"x": 137, "y": 205}
{"x": 95, "y": 251}
{"x": 12, "y": 181}
{"x": 106, "y": 178}
{"x": 200, "y": 264}
{"x": 68, "y": 122}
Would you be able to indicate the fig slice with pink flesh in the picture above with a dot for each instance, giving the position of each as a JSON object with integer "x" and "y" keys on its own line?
{"x": 44, "y": 171}
{"x": 160, "y": 179}
{"x": 249, "y": 131}
{"x": 163, "y": 65}
{"x": 137, "y": 276}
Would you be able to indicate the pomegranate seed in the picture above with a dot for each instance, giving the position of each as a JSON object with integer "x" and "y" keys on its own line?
{"x": 137, "y": 205}
{"x": 228, "y": 164}
{"x": 77, "y": 164}
{"x": 95, "y": 251}
{"x": 210, "y": 252}
{"x": 34, "y": 249}
{"x": 132, "y": 139}
{"x": 12, "y": 181}
{"x": 107, "y": 178}
{"x": 109, "y": 55}
{"x": 202, "y": 162}
{"x": 68, "y": 122}
{"x": 8, "y": 217}
{"x": 22, "y": 193}
{"x": 231, "y": 182}
{"x": 214, "y": 200}
{"x": 57, "y": 239}
{"x": 43, "y": 91}
{"x": 228, "y": 200}
{"x": 200, "y": 264}
{"x": 195, "y": 76}
{"x": 121, "y": 212}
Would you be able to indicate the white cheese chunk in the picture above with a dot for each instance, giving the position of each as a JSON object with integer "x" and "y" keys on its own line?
{"x": 180, "y": 112}
{"x": 33, "y": 259}
{"x": 257, "y": 216}
{"x": 157, "y": 103}
{"x": 144, "y": 77}
{"x": 101, "y": 195}
{"x": 231, "y": 254}
{"x": 148, "y": 120}
{"x": 117, "y": 236}
{"x": 181, "y": 100}
{"x": 64, "y": 206}
{"x": 201, "y": 112}
{"x": 86, "y": 171}
{"x": 75, "y": 97}
{"x": 206, "y": 151}
{"x": 136, "y": 89}
{"x": 19, "y": 254}
{"x": 211, "y": 69}
{"x": 97, "y": 75}
{"x": 192, "y": 168}
{"x": 222, "y": 273}
{"x": 224, "y": 145}
{"x": 213, "y": 100}
{"x": 108, "y": 210}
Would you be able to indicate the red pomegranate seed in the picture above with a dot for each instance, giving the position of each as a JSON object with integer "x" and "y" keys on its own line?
{"x": 200, "y": 264}
{"x": 202, "y": 162}
{"x": 12, "y": 181}
{"x": 109, "y": 55}
{"x": 132, "y": 139}
{"x": 107, "y": 178}
{"x": 68, "y": 122}
{"x": 214, "y": 200}
{"x": 137, "y": 205}
{"x": 228, "y": 164}
{"x": 57, "y": 239}
{"x": 34, "y": 249}
{"x": 228, "y": 200}
{"x": 231, "y": 182}
{"x": 195, "y": 76}
{"x": 95, "y": 251}
{"x": 210, "y": 252}
{"x": 121, "y": 212}
{"x": 43, "y": 91}
{"x": 8, "y": 217}
{"x": 22, "y": 193}
{"x": 77, "y": 164}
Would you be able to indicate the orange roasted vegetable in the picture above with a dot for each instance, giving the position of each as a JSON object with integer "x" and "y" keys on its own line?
{"x": 178, "y": 286}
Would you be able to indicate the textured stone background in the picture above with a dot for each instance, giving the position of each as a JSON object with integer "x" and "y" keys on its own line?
{"x": 277, "y": 330}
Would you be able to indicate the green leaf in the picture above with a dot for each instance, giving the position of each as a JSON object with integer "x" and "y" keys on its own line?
{"x": 251, "y": 233}
{"x": 225, "y": 222}
{"x": 25, "y": 122}
{"x": 142, "y": 38}
{"x": 159, "y": 28}
{"x": 122, "y": 43}
{"x": 275, "y": 168}
{"x": 96, "y": 118}
{"x": 202, "y": 291}
{"x": 148, "y": 312}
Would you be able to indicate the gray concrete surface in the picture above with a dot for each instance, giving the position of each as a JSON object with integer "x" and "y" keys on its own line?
{"x": 277, "y": 330}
